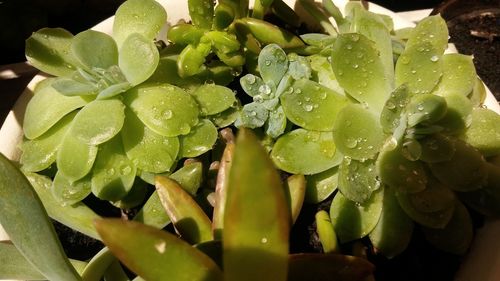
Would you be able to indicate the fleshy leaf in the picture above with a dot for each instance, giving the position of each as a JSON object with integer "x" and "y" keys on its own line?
{"x": 484, "y": 131}
{"x": 165, "y": 109}
{"x": 95, "y": 49}
{"x": 155, "y": 254}
{"x": 359, "y": 70}
{"x": 113, "y": 173}
{"x": 145, "y": 17}
{"x": 273, "y": 64}
{"x": 221, "y": 189}
{"x": 75, "y": 158}
{"x": 394, "y": 230}
{"x": 255, "y": 236}
{"x": 200, "y": 140}
{"x": 40, "y": 153}
{"x": 213, "y": 99}
{"x": 29, "y": 226}
{"x": 49, "y": 49}
{"x": 46, "y": 108}
{"x": 138, "y": 58}
{"x": 67, "y": 192}
{"x": 296, "y": 189}
{"x": 98, "y": 121}
{"x": 77, "y": 216}
{"x": 305, "y": 152}
{"x": 201, "y": 12}
{"x": 153, "y": 213}
{"x": 148, "y": 150}
{"x": 352, "y": 220}
{"x": 459, "y": 75}
{"x": 321, "y": 186}
{"x": 188, "y": 218}
{"x": 311, "y": 105}
{"x": 357, "y": 132}
{"x": 358, "y": 179}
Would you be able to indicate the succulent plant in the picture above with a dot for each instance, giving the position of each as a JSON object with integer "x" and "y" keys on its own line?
{"x": 380, "y": 121}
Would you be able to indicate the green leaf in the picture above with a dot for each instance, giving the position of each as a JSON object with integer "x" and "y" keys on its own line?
{"x": 98, "y": 122}
{"x": 213, "y": 99}
{"x": 201, "y": 12}
{"x": 465, "y": 171}
{"x": 358, "y": 179}
{"x": 252, "y": 115}
{"x": 305, "y": 152}
{"x": 459, "y": 75}
{"x": 29, "y": 227}
{"x": 484, "y": 132}
{"x": 69, "y": 193}
{"x": 352, "y": 220}
{"x": 425, "y": 109}
{"x": 311, "y": 105}
{"x": 276, "y": 123}
{"x": 77, "y": 216}
{"x": 113, "y": 173}
{"x": 200, "y": 140}
{"x": 295, "y": 188}
{"x": 485, "y": 200}
{"x": 321, "y": 186}
{"x": 394, "y": 230}
{"x": 436, "y": 148}
{"x": 273, "y": 64}
{"x": 255, "y": 236}
{"x": 188, "y": 218}
{"x": 267, "y": 33}
{"x": 390, "y": 117}
{"x": 152, "y": 213}
{"x": 75, "y": 158}
{"x": 360, "y": 71}
{"x": 95, "y": 49}
{"x": 40, "y": 153}
{"x": 400, "y": 173}
{"x": 326, "y": 233}
{"x": 154, "y": 254}
{"x": 144, "y": 17}
{"x": 221, "y": 189}
{"x": 70, "y": 87}
{"x": 420, "y": 67}
{"x": 49, "y": 49}
{"x": 138, "y": 58}
{"x": 432, "y": 30}
{"x": 148, "y": 150}
{"x": 458, "y": 115}
{"x": 165, "y": 109}
{"x": 97, "y": 266}
{"x": 357, "y": 132}
{"x": 46, "y": 108}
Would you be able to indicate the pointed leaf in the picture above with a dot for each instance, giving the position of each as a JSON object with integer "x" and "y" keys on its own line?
{"x": 77, "y": 216}
{"x": 255, "y": 236}
{"x": 221, "y": 189}
{"x": 295, "y": 189}
{"x": 188, "y": 218}
{"x": 154, "y": 254}
{"x": 29, "y": 226}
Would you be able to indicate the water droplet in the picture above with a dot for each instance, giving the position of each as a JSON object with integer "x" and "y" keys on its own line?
{"x": 268, "y": 62}
{"x": 404, "y": 59}
{"x": 420, "y": 107}
{"x": 355, "y": 66}
{"x": 161, "y": 246}
{"x": 125, "y": 170}
{"x": 167, "y": 114}
{"x": 322, "y": 96}
{"x": 351, "y": 143}
{"x": 110, "y": 171}
{"x": 355, "y": 37}
{"x": 413, "y": 71}
{"x": 263, "y": 240}
{"x": 250, "y": 79}
{"x": 253, "y": 113}
{"x": 390, "y": 105}
{"x": 434, "y": 58}
{"x": 348, "y": 47}
{"x": 308, "y": 107}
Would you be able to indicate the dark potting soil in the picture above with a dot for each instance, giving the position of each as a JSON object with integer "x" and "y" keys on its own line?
{"x": 478, "y": 34}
